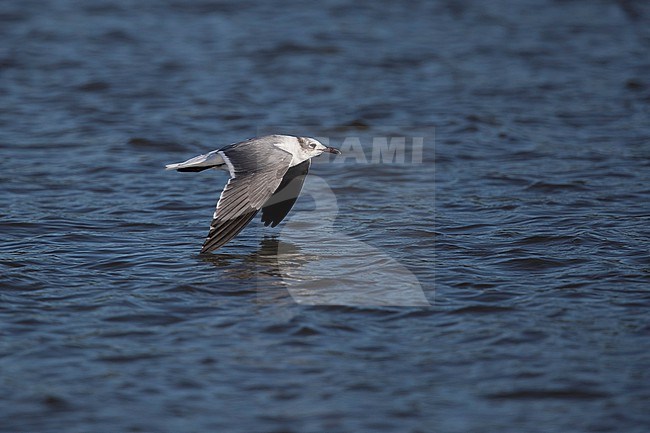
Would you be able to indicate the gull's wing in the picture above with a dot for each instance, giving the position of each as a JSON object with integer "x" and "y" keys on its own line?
{"x": 256, "y": 170}
{"x": 278, "y": 206}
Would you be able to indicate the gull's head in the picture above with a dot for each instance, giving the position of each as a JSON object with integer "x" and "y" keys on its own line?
{"x": 310, "y": 147}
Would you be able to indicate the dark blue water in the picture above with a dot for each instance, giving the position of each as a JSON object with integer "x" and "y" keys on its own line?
{"x": 500, "y": 283}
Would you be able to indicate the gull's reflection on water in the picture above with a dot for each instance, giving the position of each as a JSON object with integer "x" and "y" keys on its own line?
{"x": 265, "y": 260}
{"x": 261, "y": 270}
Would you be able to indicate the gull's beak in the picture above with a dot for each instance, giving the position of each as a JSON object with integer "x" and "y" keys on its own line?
{"x": 332, "y": 150}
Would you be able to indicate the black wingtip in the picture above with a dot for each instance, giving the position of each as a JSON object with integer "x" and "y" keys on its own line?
{"x": 226, "y": 230}
{"x": 268, "y": 220}
{"x": 280, "y": 203}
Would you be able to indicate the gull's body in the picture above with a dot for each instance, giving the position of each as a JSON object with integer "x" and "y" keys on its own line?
{"x": 266, "y": 173}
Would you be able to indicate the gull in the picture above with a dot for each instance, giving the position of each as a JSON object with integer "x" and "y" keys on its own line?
{"x": 266, "y": 173}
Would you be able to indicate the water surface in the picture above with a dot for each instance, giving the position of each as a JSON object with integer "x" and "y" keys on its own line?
{"x": 500, "y": 284}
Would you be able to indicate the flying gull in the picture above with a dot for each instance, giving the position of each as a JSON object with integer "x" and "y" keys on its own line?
{"x": 266, "y": 173}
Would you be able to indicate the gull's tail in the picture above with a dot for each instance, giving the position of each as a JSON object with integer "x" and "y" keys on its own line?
{"x": 199, "y": 163}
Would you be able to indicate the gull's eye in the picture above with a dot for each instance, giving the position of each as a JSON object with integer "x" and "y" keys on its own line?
{"x": 312, "y": 145}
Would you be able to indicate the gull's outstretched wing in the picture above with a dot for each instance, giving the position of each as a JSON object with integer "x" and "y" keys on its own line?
{"x": 256, "y": 170}
{"x": 278, "y": 206}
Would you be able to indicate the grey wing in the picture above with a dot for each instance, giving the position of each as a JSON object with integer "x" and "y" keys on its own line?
{"x": 255, "y": 174}
{"x": 280, "y": 203}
